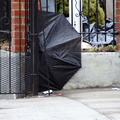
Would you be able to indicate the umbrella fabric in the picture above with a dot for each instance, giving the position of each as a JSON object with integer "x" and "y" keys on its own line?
{"x": 59, "y": 51}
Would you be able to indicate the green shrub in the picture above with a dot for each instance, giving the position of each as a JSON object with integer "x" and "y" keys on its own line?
{"x": 92, "y": 13}
{"x": 92, "y": 10}
{"x": 63, "y": 7}
{"x": 109, "y": 48}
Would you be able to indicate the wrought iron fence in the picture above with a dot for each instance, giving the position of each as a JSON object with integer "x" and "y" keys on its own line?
{"x": 93, "y": 19}
{"x": 88, "y": 17}
{"x": 14, "y": 67}
{"x": 18, "y": 71}
{"x": 5, "y": 20}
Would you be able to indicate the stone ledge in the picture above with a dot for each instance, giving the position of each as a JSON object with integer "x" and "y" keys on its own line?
{"x": 98, "y": 70}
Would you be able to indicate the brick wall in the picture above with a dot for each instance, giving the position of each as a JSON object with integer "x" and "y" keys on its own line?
{"x": 18, "y": 26}
{"x": 118, "y": 23}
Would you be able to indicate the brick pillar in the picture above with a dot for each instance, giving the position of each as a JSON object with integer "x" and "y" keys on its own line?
{"x": 18, "y": 26}
{"x": 118, "y": 23}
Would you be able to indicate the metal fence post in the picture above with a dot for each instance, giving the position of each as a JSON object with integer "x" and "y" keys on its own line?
{"x": 33, "y": 15}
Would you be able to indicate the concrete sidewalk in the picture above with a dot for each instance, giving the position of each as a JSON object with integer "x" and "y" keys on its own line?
{"x": 82, "y": 104}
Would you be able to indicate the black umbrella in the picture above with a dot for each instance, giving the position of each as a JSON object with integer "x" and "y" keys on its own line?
{"x": 59, "y": 51}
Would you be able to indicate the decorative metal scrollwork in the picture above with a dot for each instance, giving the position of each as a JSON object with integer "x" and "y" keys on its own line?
{"x": 5, "y": 20}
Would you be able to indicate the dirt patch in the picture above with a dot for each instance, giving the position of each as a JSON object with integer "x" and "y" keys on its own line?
{"x": 109, "y": 48}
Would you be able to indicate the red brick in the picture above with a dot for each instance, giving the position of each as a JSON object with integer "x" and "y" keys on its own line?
{"x": 18, "y": 48}
{"x": 18, "y": 13}
{"x": 24, "y": 21}
{"x": 118, "y": 18}
{"x": 19, "y": 42}
{"x": 15, "y": 20}
{"x": 17, "y": 34}
{"x": 15, "y": 5}
{"x": 118, "y": 11}
{"x": 117, "y": 4}
{"x": 18, "y": 27}
{"x": 117, "y": 25}
{"x": 118, "y": 46}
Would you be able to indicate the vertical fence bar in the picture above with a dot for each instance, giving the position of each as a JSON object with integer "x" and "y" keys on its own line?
{"x": 29, "y": 28}
{"x": 36, "y": 48}
{"x": 33, "y": 45}
{"x": 57, "y": 3}
{"x": 71, "y": 11}
{"x": 27, "y": 53}
{"x": 80, "y": 14}
{"x": 89, "y": 33}
{"x": 26, "y": 24}
{"x": 20, "y": 44}
{"x": 114, "y": 29}
{"x": 0, "y": 69}
{"x": 0, "y": 64}
{"x": 47, "y": 5}
{"x": 33, "y": 14}
{"x": 30, "y": 39}
{"x": 97, "y": 18}
{"x": 9, "y": 55}
{"x": 105, "y": 6}
{"x": 63, "y": 6}
{"x": 55, "y": 6}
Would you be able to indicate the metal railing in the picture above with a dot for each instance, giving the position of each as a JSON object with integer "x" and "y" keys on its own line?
{"x": 14, "y": 67}
{"x": 91, "y": 18}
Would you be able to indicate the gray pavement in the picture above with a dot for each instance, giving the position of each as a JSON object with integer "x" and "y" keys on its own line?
{"x": 81, "y": 104}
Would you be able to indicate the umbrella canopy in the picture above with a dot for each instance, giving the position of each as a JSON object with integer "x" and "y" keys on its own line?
{"x": 59, "y": 51}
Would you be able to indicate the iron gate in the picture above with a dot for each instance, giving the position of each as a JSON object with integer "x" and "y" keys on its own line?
{"x": 93, "y": 19}
{"x": 5, "y": 20}
{"x": 18, "y": 73}
{"x": 14, "y": 67}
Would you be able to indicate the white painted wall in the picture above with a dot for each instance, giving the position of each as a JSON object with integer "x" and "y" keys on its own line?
{"x": 98, "y": 70}
{"x": 109, "y": 8}
{"x": 75, "y": 8}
